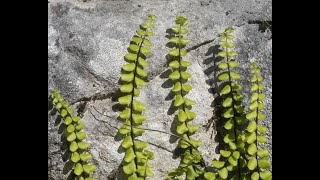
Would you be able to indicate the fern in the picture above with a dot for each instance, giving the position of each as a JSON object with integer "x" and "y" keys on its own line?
{"x": 259, "y": 157}
{"x": 135, "y": 162}
{"x": 179, "y": 76}
{"x": 232, "y": 157}
{"x": 75, "y": 135}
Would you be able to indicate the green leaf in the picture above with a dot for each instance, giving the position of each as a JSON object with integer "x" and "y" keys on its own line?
{"x": 89, "y": 179}
{"x": 233, "y": 64}
{"x": 253, "y": 79}
{"x": 81, "y": 135}
{"x": 183, "y": 31}
{"x": 183, "y": 52}
{"x": 131, "y": 56}
{"x": 137, "y": 130}
{"x": 89, "y": 168}
{"x": 148, "y": 33}
{"x": 225, "y": 153}
{"x": 70, "y": 110}
{"x": 125, "y": 128}
{"x": 223, "y": 173}
{"x": 253, "y": 106}
{"x": 260, "y": 106}
{"x": 126, "y": 88}
{"x": 189, "y": 102}
{"x": 210, "y": 176}
{"x": 147, "y": 42}
{"x": 184, "y": 41}
{"x": 261, "y": 117}
{"x": 190, "y": 114}
{"x": 73, "y": 146}
{"x": 261, "y": 96}
{"x": 129, "y": 168}
{"x": 55, "y": 100}
{"x": 125, "y": 114}
{"x": 182, "y": 128}
{"x": 222, "y": 54}
{"x": 174, "y": 75}
{"x": 139, "y": 82}
{"x": 140, "y": 145}
{"x": 262, "y": 129}
{"x": 71, "y": 137}
{"x": 260, "y": 87}
{"x": 85, "y": 157}
{"x": 182, "y": 116}
{"x": 191, "y": 173}
{"x": 174, "y": 64}
{"x": 236, "y": 154}
{"x": 63, "y": 113}
{"x": 83, "y": 145}
{"x": 223, "y": 65}
{"x": 259, "y": 78}
{"x": 78, "y": 169}
{"x": 264, "y": 163}
{"x": 254, "y": 87}
{"x": 127, "y": 77}
{"x": 228, "y": 138}
{"x": 174, "y": 52}
{"x": 218, "y": 164}
{"x": 143, "y": 62}
{"x": 129, "y": 156}
{"x": 137, "y": 39}
{"x": 252, "y": 163}
{"x": 58, "y": 106}
{"x": 138, "y": 106}
{"x": 195, "y": 143}
{"x": 125, "y": 100}
{"x": 229, "y": 113}
{"x": 252, "y": 126}
{"x": 178, "y": 101}
{"x": 127, "y": 142}
{"x": 192, "y": 128}
{"x": 79, "y": 126}
{"x": 251, "y": 138}
{"x": 70, "y": 128}
{"x": 262, "y": 139}
{"x": 174, "y": 40}
{"x": 145, "y": 50}
{"x": 226, "y": 90}
{"x": 184, "y": 144}
{"x": 232, "y": 161}
{"x": 226, "y": 44}
{"x": 141, "y": 72}
{"x": 186, "y": 87}
{"x": 223, "y": 76}
{"x": 236, "y": 87}
{"x": 252, "y": 149}
{"x": 263, "y": 153}
{"x": 129, "y": 67}
{"x": 227, "y": 102}
{"x": 76, "y": 118}
{"x": 185, "y": 75}
{"x": 251, "y": 115}
{"x": 177, "y": 87}
{"x": 255, "y": 176}
{"x": 176, "y": 29}
{"x": 75, "y": 157}
{"x": 134, "y": 47}
{"x": 231, "y": 168}
{"x": 235, "y": 76}
{"x": 138, "y": 118}
{"x": 232, "y": 54}
{"x": 254, "y": 97}
{"x": 265, "y": 174}
{"x": 141, "y": 32}
{"x": 185, "y": 63}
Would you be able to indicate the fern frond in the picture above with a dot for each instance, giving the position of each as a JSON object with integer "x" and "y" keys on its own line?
{"x": 75, "y": 135}
{"x": 136, "y": 160}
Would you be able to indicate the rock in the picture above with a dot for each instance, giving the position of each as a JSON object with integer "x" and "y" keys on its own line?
{"x": 86, "y": 45}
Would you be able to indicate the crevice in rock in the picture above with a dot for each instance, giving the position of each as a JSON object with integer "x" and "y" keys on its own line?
{"x": 97, "y": 96}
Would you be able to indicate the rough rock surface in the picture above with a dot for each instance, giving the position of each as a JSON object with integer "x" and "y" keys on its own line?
{"x": 86, "y": 45}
